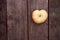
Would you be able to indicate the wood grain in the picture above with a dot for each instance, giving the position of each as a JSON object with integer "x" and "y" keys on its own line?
{"x": 37, "y": 32}
{"x": 17, "y": 19}
{"x": 3, "y": 11}
{"x": 54, "y": 20}
{"x": 18, "y": 25}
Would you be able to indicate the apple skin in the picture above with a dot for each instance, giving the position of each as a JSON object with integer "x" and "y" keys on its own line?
{"x": 39, "y": 16}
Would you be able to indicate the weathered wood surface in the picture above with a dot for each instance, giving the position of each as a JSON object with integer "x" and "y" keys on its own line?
{"x": 20, "y": 26}
{"x": 17, "y": 19}
{"x": 3, "y": 11}
{"x": 54, "y": 19}
{"x": 37, "y": 32}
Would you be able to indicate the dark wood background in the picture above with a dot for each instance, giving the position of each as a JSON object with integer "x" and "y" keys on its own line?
{"x": 16, "y": 22}
{"x": 3, "y": 20}
{"x": 54, "y": 19}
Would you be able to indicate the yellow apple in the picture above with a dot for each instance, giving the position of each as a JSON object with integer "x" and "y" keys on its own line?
{"x": 39, "y": 16}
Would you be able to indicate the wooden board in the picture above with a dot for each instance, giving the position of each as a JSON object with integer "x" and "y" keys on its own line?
{"x": 16, "y": 22}
{"x": 3, "y": 33}
{"x": 54, "y": 20}
{"x": 17, "y": 19}
{"x": 37, "y": 32}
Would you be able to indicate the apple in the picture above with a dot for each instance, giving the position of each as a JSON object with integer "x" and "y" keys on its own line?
{"x": 39, "y": 16}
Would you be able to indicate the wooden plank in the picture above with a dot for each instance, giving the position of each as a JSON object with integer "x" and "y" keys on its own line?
{"x": 17, "y": 19}
{"x": 37, "y": 32}
{"x": 54, "y": 20}
{"x": 3, "y": 11}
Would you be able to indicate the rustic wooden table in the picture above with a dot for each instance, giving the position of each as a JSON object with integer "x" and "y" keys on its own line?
{"x": 16, "y": 22}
